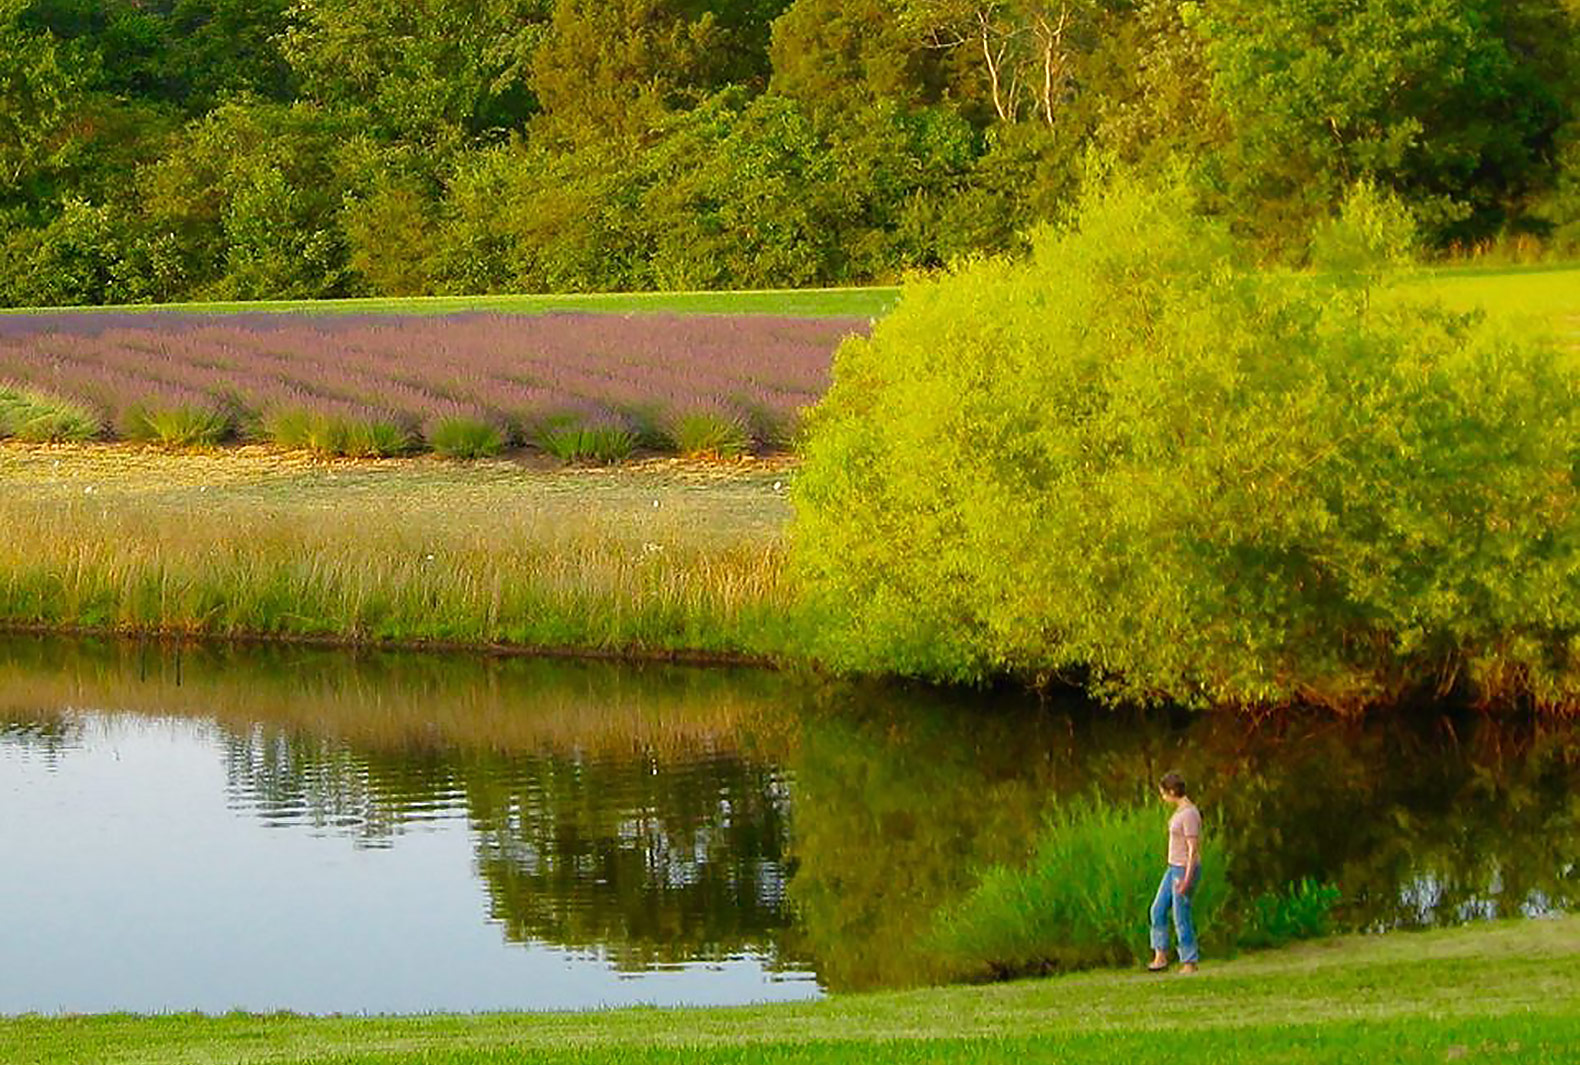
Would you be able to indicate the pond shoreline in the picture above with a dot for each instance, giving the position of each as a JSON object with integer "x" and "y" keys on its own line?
{"x": 177, "y": 638}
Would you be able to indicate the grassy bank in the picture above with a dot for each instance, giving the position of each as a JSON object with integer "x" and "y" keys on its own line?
{"x": 654, "y": 558}
{"x": 1501, "y": 993}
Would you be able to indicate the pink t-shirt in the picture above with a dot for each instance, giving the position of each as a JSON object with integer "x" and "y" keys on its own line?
{"x": 1185, "y": 824}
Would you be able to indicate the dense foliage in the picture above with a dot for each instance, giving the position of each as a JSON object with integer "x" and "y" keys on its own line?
{"x": 1137, "y": 461}
{"x": 154, "y": 150}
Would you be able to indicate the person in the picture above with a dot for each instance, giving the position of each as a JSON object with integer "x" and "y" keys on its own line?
{"x": 1179, "y": 879}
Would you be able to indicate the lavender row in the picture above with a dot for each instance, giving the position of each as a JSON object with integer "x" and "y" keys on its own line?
{"x": 515, "y": 372}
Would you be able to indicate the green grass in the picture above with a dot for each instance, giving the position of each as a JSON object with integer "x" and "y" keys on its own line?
{"x": 1549, "y": 292}
{"x": 1552, "y": 289}
{"x": 1501, "y": 993}
{"x": 815, "y": 302}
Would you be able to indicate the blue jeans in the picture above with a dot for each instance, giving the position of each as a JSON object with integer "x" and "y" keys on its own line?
{"x": 1184, "y": 926}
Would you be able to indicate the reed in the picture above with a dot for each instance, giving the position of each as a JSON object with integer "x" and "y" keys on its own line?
{"x": 1082, "y": 900}
{"x": 376, "y": 573}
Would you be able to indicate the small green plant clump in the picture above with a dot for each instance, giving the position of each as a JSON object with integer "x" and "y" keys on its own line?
{"x": 1303, "y": 911}
{"x": 177, "y": 427}
{"x": 709, "y": 434}
{"x": 460, "y": 437}
{"x": 36, "y": 417}
{"x": 1138, "y": 459}
{"x": 577, "y": 442}
{"x": 335, "y": 437}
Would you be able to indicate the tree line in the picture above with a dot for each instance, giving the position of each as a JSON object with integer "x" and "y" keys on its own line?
{"x": 159, "y": 150}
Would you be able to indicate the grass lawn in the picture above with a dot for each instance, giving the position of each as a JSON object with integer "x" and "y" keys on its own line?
{"x": 812, "y": 302}
{"x": 1495, "y": 993}
{"x": 1552, "y": 293}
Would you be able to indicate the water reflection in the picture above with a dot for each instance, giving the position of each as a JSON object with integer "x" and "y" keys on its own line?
{"x": 46, "y": 735}
{"x": 653, "y": 864}
{"x": 653, "y": 819}
{"x": 1425, "y": 818}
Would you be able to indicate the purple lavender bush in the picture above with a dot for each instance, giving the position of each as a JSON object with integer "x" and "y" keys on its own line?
{"x": 305, "y": 381}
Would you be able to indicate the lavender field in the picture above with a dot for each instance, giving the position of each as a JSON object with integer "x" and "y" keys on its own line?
{"x": 652, "y": 380}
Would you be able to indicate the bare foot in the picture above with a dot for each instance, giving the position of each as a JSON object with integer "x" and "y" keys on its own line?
{"x": 1186, "y": 968}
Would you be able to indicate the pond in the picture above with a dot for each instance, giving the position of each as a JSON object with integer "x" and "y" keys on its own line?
{"x": 206, "y": 828}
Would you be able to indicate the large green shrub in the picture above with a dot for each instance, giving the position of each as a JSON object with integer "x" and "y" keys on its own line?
{"x": 1135, "y": 460}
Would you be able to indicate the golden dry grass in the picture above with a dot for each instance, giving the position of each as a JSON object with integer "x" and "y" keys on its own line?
{"x": 658, "y": 556}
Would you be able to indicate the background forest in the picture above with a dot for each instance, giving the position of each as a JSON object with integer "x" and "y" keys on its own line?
{"x": 156, "y": 150}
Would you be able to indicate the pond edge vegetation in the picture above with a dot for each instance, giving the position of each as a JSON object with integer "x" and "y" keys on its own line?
{"x": 1255, "y": 550}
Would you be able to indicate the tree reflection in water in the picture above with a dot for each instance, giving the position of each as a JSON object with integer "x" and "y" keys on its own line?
{"x": 1425, "y": 818}
{"x": 659, "y": 816}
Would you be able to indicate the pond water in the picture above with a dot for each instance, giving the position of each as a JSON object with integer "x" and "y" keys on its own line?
{"x": 262, "y": 829}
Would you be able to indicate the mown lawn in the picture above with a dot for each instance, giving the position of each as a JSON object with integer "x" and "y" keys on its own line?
{"x": 1495, "y": 993}
{"x": 813, "y": 302}
{"x": 1551, "y": 291}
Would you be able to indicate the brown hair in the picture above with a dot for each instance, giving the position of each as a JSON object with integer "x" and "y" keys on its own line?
{"x": 1173, "y": 784}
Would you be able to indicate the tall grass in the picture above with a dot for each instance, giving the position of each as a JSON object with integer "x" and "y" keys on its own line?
{"x": 374, "y": 574}
{"x": 576, "y": 442}
{"x": 1083, "y": 899}
{"x": 333, "y": 436}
